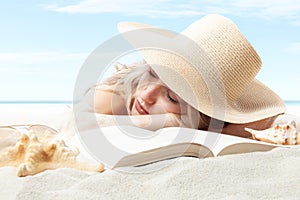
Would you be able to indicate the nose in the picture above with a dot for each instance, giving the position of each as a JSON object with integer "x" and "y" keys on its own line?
{"x": 150, "y": 94}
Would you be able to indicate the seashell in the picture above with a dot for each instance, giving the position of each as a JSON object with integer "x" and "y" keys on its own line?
{"x": 285, "y": 134}
{"x": 35, "y": 152}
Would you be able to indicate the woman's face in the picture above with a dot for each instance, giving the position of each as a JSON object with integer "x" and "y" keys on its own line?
{"x": 153, "y": 97}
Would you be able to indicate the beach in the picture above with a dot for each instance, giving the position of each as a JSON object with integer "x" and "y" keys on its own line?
{"x": 50, "y": 114}
{"x": 259, "y": 175}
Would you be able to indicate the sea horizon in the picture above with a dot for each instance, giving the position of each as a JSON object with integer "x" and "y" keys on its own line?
{"x": 287, "y": 102}
{"x": 38, "y": 102}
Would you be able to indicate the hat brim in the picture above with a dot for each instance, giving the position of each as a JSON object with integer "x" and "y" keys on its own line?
{"x": 255, "y": 102}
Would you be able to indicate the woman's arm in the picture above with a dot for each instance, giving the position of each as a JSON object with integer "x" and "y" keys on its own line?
{"x": 107, "y": 102}
{"x": 86, "y": 121}
{"x": 102, "y": 102}
{"x": 239, "y": 129}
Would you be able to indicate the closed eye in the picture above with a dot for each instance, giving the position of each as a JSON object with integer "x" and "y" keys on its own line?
{"x": 172, "y": 98}
{"x": 152, "y": 73}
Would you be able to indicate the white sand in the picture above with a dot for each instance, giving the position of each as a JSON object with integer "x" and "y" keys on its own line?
{"x": 264, "y": 175}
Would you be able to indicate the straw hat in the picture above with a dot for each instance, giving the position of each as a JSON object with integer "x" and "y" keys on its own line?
{"x": 210, "y": 65}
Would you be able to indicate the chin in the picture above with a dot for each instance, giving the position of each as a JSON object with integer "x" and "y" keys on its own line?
{"x": 133, "y": 112}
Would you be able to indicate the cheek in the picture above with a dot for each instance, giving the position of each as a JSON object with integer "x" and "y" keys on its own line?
{"x": 176, "y": 108}
{"x": 137, "y": 93}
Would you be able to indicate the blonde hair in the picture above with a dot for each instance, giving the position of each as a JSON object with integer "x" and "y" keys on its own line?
{"x": 125, "y": 81}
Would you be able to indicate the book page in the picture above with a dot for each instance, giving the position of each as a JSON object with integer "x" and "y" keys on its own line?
{"x": 163, "y": 153}
{"x": 111, "y": 144}
{"x": 131, "y": 146}
{"x": 227, "y": 144}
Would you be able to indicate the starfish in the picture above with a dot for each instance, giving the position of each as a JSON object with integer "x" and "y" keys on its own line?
{"x": 35, "y": 152}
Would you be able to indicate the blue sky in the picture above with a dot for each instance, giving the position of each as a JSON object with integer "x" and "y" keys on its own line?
{"x": 44, "y": 43}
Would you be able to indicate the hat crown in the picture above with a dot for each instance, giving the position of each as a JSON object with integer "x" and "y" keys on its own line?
{"x": 233, "y": 62}
{"x": 233, "y": 56}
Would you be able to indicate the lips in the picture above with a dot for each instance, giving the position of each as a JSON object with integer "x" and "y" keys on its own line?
{"x": 139, "y": 107}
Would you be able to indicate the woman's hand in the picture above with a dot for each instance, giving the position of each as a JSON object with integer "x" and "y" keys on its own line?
{"x": 151, "y": 122}
{"x": 158, "y": 121}
{"x": 87, "y": 120}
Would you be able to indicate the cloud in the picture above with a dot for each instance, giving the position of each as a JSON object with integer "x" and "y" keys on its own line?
{"x": 16, "y": 62}
{"x": 264, "y": 8}
{"x": 39, "y": 75}
{"x": 289, "y": 9}
{"x": 150, "y": 8}
{"x": 293, "y": 48}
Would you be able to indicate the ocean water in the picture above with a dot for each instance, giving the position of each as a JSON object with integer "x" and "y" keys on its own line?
{"x": 288, "y": 103}
{"x": 292, "y": 103}
{"x": 36, "y": 102}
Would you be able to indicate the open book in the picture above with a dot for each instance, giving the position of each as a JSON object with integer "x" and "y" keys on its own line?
{"x": 121, "y": 146}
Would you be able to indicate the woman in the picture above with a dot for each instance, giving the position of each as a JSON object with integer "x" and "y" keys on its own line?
{"x": 216, "y": 90}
